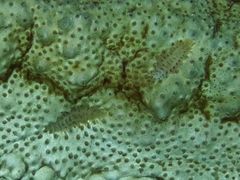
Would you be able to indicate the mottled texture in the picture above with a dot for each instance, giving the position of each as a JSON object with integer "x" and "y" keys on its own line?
{"x": 119, "y": 89}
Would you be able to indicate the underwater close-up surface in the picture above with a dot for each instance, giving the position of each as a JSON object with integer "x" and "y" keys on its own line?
{"x": 119, "y": 89}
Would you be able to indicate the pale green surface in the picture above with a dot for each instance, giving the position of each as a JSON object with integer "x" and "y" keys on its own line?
{"x": 58, "y": 55}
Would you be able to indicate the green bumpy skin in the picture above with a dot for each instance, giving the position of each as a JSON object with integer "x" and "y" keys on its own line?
{"x": 119, "y": 89}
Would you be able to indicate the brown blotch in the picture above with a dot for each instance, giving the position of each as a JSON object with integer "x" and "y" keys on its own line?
{"x": 233, "y": 118}
{"x": 207, "y": 66}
